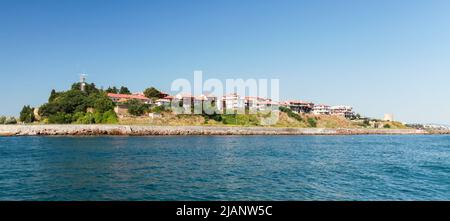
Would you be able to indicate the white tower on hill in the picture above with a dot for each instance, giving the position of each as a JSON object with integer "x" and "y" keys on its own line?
{"x": 389, "y": 117}
{"x": 83, "y": 81}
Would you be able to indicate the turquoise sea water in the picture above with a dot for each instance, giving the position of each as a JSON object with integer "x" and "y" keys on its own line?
{"x": 225, "y": 168}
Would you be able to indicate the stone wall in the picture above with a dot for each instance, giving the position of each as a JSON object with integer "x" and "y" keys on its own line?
{"x": 33, "y": 130}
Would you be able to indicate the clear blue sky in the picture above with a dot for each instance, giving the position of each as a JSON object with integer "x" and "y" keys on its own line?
{"x": 379, "y": 56}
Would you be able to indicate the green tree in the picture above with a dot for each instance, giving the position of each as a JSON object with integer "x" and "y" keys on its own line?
{"x": 72, "y": 101}
{"x": 88, "y": 88}
{"x": 71, "y": 106}
{"x": 11, "y": 120}
{"x": 2, "y": 120}
{"x": 100, "y": 102}
{"x": 109, "y": 117}
{"x": 68, "y": 102}
{"x": 27, "y": 114}
{"x": 48, "y": 109}
{"x": 136, "y": 107}
{"x": 53, "y": 95}
{"x": 152, "y": 93}
{"x": 103, "y": 104}
{"x": 124, "y": 90}
{"x": 113, "y": 90}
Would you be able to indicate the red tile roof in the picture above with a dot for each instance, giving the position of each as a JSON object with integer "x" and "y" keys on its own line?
{"x": 127, "y": 96}
{"x": 298, "y": 102}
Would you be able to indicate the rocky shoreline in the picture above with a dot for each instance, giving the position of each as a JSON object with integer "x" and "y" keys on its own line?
{"x": 124, "y": 130}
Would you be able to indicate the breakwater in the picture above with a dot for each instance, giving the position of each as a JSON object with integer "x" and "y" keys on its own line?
{"x": 134, "y": 130}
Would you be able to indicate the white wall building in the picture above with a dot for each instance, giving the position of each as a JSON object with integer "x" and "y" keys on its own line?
{"x": 258, "y": 103}
{"x": 299, "y": 106}
{"x": 184, "y": 101}
{"x": 342, "y": 110}
{"x": 232, "y": 102}
{"x": 389, "y": 117}
{"x": 163, "y": 102}
{"x": 321, "y": 109}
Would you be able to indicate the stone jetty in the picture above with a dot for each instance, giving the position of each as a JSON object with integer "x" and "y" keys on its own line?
{"x": 134, "y": 130}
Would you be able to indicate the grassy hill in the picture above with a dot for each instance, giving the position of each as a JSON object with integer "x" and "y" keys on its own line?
{"x": 284, "y": 120}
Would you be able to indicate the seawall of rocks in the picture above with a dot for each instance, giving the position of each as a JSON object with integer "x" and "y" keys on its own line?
{"x": 124, "y": 130}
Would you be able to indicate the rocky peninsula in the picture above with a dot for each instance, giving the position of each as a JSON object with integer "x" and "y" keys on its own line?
{"x": 134, "y": 130}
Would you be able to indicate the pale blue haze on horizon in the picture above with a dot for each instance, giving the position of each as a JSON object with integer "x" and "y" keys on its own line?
{"x": 378, "y": 56}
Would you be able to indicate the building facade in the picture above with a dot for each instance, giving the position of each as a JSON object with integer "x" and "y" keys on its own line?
{"x": 120, "y": 98}
{"x": 232, "y": 102}
{"x": 342, "y": 110}
{"x": 299, "y": 106}
{"x": 321, "y": 109}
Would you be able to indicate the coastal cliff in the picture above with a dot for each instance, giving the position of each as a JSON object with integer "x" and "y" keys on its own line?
{"x": 94, "y": 130}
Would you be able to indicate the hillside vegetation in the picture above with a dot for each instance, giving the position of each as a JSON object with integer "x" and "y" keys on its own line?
{"x": 285, "y": 119}
{"x": 93, "y": 106}
{"x": 75, "y": 106}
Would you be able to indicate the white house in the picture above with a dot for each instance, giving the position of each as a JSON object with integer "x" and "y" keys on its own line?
{"x": 163, "y": 102}
{"x": 205, "y": 101}
{"x": 299, "y": 106}
{"x": 232, "y": 102}
{"x": 321, "y": 109}
{"x": 185, "y": 101}
{"x": 342, "y": 110}
{"x": 256, "y": 103}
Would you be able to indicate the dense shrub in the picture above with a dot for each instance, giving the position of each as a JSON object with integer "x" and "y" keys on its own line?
{"x": 11, "y": 120}
{"x": 100, "y": 102}
{"x": 2, "y": 120}
{"x": 158, "y": 109}
{"x": 85, "y": 118}
{"x": 312, "y": 122}
{"x": 8, "y": 120}
{"x": 60, "y": 118}
{"x": 136, "y": 107}
{"x": 215, "y": 117}
{"x": 27, "y": 114}
{"x": 285, "y": 109}
{"x": 387, "y": 126}
{"x": 48, "y": 109}
{"x": 291, "y": 113}
{"x": 53, "y": 95}
{"x": 110, "y": 117}
{"x": 295, "y": 116}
